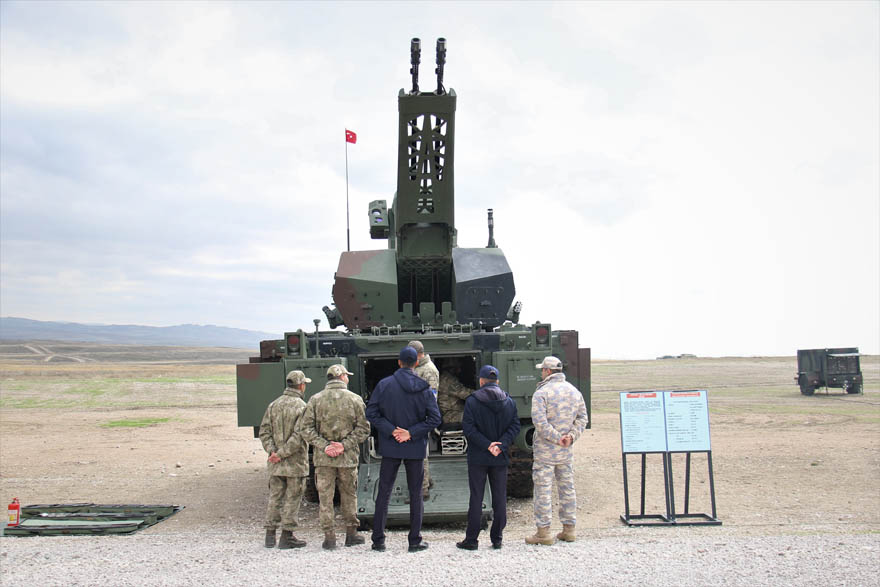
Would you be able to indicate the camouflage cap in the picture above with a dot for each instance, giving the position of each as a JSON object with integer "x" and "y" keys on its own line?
{"x": 338, "y": 371}
{"x": 297, "y": 378}
{"x": 416, "y": 344}
{"x": 551, "y": 363}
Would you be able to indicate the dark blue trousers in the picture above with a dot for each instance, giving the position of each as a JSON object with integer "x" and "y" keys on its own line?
{"x": 415, "y": 471}
{"x": 497, "y": 476}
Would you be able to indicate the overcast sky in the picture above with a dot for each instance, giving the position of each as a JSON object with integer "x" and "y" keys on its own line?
{"x": 666, "y": 177}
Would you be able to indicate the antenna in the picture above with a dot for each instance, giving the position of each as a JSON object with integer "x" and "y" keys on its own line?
{"x": 491, "y": 244}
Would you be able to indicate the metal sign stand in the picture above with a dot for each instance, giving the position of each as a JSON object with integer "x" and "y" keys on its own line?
{"x": 670, "y": 518}
{"x": 666, "y": 423}
{"x": 692, "y": 519}
{"x": 643, "y": 519}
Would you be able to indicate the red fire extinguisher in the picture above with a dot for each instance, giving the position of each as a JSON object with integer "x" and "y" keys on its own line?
{"x": 14, "y": 512}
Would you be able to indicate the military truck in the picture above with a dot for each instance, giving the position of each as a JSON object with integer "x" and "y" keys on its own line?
{"x": 459, "y": 302}
{"x": 829, "y": 368}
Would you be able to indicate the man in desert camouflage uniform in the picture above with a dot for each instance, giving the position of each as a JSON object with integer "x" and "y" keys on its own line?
{"x": 335, "y": 425}
{"x": 560, "y": 416}
{"x": 426, "y": 369}
{"x": 288, "y": 461}
{"x": 451, "y": 396}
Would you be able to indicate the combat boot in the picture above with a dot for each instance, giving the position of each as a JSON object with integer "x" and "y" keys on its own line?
{"x": 567, "y": 534}
{"x": 352, "y": 538}
{"x": 329, "y": 540}
{"x": 270, "y": 538}
{"x": 288, "y": 540}
{"x": 541, "y": 536}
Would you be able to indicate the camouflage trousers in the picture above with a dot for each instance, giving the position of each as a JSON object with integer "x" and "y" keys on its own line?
{"x": 285, "y": 497}
{"x": 426, "y": 480}
{"x": 452, "y": 415}
{"x": 326, "y": 480}
{"x": 542, "y": 475}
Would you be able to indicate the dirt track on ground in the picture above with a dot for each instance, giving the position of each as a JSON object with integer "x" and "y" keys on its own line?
{"x": 783, "y": 462}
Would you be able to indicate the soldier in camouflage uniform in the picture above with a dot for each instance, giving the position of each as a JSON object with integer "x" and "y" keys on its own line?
{"x": 335, "y": 425}
{"x": 427, "y": 370}
{"x": 451, "y": 396}
{"x": 560, "y": 416}
{"x": 288, "y": 461}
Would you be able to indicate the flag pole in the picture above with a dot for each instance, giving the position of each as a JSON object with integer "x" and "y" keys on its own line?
{"x": 347, "y": 228}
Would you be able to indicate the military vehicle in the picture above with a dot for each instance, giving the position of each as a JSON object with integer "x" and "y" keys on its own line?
{"x": 459, "y": 302}
{"x": 829, "y": 368}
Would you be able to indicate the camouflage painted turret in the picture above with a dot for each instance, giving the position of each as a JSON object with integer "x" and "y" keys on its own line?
{"x": 457, "y": 301}
{"x": 423, "y": 278}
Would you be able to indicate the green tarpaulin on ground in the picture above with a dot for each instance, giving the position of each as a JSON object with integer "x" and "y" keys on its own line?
{"x": 88, "y": 518}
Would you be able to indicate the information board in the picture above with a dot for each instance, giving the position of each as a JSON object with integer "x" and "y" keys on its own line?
{"x": 664, "y": 421}
{"x": 642, "y": 424}
{"x": 687, "y": 421}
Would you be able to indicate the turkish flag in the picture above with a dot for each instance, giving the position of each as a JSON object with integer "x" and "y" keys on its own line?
{"x": 350, "y": 136}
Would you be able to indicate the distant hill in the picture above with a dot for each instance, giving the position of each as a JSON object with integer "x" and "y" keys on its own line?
{"x": 181, "y": 335}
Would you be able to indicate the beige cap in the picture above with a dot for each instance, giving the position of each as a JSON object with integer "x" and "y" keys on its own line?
{"x": 338, "y": 371}
{"x": 297, "y": 378}
{"x": 549, "y": 363}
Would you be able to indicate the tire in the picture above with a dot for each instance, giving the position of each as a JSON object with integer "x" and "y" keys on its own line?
{"x": 519, "y": 474}
{"x": 807, "y": 389}
{"x": 854, "y": 388}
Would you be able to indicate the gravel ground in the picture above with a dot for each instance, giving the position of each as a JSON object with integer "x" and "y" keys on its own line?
{"x": 636, "y": 556}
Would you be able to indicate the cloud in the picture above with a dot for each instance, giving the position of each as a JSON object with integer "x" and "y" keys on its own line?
{"x": 704, "y": 176}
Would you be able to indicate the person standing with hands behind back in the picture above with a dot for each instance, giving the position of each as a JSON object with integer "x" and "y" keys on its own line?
{"x": 560, "y": 417}
{"x": 490, "y": 423}
{"x": 335, "y": 425}
{"x": 288, "y": 461}
{"x": 403, "y": 410}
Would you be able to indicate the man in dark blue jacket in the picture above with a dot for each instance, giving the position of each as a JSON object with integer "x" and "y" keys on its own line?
{"x": 403, "y": 410}
{"x": 490, "y": 424}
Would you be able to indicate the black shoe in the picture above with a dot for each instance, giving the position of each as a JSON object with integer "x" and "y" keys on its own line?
{"x": 418, "y": 547}
{"x": 465, "y": 545}
{"x": 496, "y": 545}
{"x": 379, "y": 546}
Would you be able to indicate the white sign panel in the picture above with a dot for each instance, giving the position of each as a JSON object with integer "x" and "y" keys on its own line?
{"x": 642, "y": 422}
{"x": 687, "y": 421}
{"x": 664, "y": 421}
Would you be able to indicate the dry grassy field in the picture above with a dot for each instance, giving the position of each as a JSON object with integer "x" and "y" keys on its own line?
{"x": 119, "y": 424}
